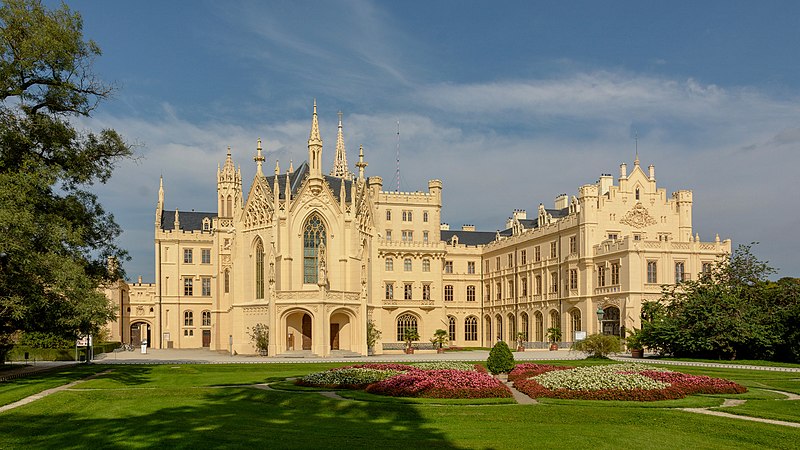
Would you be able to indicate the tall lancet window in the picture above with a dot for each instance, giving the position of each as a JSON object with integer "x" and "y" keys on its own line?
{"x": 259, "y": 270}
{"x": 313, "y": 239}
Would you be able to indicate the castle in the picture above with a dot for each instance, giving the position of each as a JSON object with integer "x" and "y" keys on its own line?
{"x": 316, "y": 257}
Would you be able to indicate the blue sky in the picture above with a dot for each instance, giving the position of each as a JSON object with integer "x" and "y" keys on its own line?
{"x": 509, "y": 103}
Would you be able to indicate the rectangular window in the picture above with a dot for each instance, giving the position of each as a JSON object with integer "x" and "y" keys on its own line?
{"x": 205, "y": 256}
{"x": 388, "y": 214}
{"x": 388, "y": 235}
{"x": 389, "y": 264}
{"x": 612, "y": 236}
{"x": 424, "y": 236}
{"x": 523, "y": 256}
{"x": 652, "y": 272}
{"x": 206, "y": 286}
{"x": 470, "y": 293}
{"x": 187, "y": 286}
{"x": 188, "y": 319}
{"x": 706, "y": 268}
{"x": 407, "y": 235}
{"x": 510, "y": 260}
{"x": 486, "y": 266}
{"x": 407, "y": 291}
{"x": 426, "y": 265}
{"x": 426, "y": 291}
{"x": 510, "y": 292}
{"x": 227, "y": 280}
{"x": 471, "y": 267}
{"x": 499, "y": 288}
{"x": 538, "y": 285}
{"x": 206, "y": 318}
{"x": 448, "y": 267}
{"x": 425, "y": 216}
{"x": 406, "y": 216}
{"x": 497, "y": 263}
{"x": 389, "y": 291}
{"x": 680, "y": 275}
{"x": 614, "y": 273}
{"x": 524, "y": 285}
{"x": 407, "y": 264}
{"x": 573, "y": 278}
{"x": 448, "y": 293}
{"x": 601, "y": 275}
{"x": 187, "y": 256}
{"x": 573, "y": 245}
{"x": 553, "y": 249}
{"x": 554, "y": 284}
{"x": 537, "y": 254}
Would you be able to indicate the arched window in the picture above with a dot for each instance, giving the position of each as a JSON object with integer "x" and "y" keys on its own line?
{"x": 539, "y": 326}
{"x": 575, "y": 321}
{"x": 487, "y": 329}
{"x": 611, "y": 323}
{"x": 452, "y": 328}
{"x": 229, "y": 207}
{"x": 405, "y": 322}
{"x": 313, "y": 239}
{"x": 259, "y": 270}
{"x": 206, "y": 318}
{"x": 512, "y": 328}
{"x": 555, "y": 319}
{"x": 524, "y": 328}
{"x": 499, "y": 331}
{"x": 471, "y": 328}
{"x": 188, "y": 319}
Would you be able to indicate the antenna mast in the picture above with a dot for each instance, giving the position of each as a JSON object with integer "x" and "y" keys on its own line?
{"x": 397, "y": 173}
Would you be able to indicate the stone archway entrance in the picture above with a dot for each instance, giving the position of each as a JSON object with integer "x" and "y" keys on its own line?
{"x": 140, "y": 332}
{"x": 611, "y": 321}
{"x": 341, "y": 331}
{"x": 299, "y": 334}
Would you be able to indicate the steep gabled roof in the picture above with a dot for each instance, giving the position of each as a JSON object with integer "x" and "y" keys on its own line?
{"x": 296, "y": 180}
{"x": 189, "y": 220}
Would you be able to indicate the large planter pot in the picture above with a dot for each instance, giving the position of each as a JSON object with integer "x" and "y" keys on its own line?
{"x": 262, "y": 353}
{"x": 520, "y": 348}
{"x": 410, "y": 351}
{"x": 637, "y": 353}
{"x": 553, "y": 347}
{"x": 439, "y": 350}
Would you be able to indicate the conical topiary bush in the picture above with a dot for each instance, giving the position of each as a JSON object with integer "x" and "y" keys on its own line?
{"x": 501, "y": 360}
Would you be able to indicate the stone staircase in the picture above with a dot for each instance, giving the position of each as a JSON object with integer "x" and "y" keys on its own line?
{"x": 344, "y": 354}
{"x": 297, "y": 354}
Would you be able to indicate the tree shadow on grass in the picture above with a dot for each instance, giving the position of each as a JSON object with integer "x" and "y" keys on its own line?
{"x": 238, "y": 417}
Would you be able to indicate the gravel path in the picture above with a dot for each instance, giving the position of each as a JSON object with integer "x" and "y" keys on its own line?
{"x": 47, "y": 392}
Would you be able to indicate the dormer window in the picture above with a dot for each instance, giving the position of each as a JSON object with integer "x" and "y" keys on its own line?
{"x": 206, "y": 224}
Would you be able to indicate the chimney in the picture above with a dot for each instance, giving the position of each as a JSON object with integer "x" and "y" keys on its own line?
{"x": 606, "y": 181}
{"x": 444, "y": 227}
{"x": 467, "y": 227}
{"x": 562, "y": 201}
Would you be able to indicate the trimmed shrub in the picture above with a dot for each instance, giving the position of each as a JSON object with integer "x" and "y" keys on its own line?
{"x": 501, "y": 360}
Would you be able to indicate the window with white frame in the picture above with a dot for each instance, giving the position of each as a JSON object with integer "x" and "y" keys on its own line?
{"x": 471, "y": 328}
{"x": 652, "y": 272}
{"x": 407, "y": 235}
{"x": 406, "y": 323}
{"x": 425, "y": 216}
{"x": 426, "y": 265}
{"x": 388, "y": 214}
{"x": 470, "y": 267}
{"x": 448, "y": 267}
{"x": 451, "y": 322}
{"x": 448, "y": 293}
{"x": 553, "y": 249}
{"x": 601, "y": 275}
{"x": 573, "y": 244}
{"x": 206, "y": 286}
{"x": 206, "y": 318}
{"x": 554, "y": 282}
{"x": 426, "y": 291}
{"x": 614, "y": 273}
{"x": 205, "y": 256}
{"x": 389, "y": 264}
{"x": 424, "y": 236}
{"x": 406, "y": 216}
{"x": 188, "y": 319}
{"x": 407, "y": 264}
{"x": 537, "y": 253}
{"x": 680, "y": 274}
{"x": 523, "y": 257}
{"x": 523, "y": 284}
{"x": 573, "y": 278}
{"x": 407, "y": 291}
{"x": 499, "y": 290}
{"x": 389, "y": 291}
{"x": 388, "y": 235}
{"x": 188, "y": 286}
{"x": 187, "y": 256}
{"x": 470, "y": 293}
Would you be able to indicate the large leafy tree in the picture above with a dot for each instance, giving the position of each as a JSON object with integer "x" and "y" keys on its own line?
{"x": 732, "y": 312}
{"x": 55, "y": 237}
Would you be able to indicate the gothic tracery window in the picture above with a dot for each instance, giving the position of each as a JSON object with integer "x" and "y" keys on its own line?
{"x": 259, "y": 270}
{"x": 313, "y": 238}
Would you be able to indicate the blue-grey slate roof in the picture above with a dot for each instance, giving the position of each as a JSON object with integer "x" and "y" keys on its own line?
{"x": 189, "y": 220}
{"x": 469, "y": 237}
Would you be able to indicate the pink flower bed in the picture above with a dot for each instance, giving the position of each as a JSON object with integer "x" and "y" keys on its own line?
{"x": 696, "y": 384}
{"x": 441, "y": 384}
{"x": 527, "y": 370}
{"x": 378, "y": 366}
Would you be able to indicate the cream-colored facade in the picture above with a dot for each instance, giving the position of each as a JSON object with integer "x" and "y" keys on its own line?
{"x": 316, "y": 256}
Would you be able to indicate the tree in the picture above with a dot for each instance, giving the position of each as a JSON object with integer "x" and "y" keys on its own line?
{"x": 259, "y": 336}
{"x": 373, "y": 334}
{"x": 439, "y": 338}
{"x": 55, "y": 238}
{"x": 731, "y": 312}
{"x": 598, "y": 345}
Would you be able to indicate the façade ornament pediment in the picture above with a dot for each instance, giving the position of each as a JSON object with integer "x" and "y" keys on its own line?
{"x": 638, "y": 217}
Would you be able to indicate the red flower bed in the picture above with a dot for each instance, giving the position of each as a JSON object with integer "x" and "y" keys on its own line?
{"x": 533, "y": 389}
{"x": 696, "y": 384}
{"x": 441, "y": 384}
{"x": 527, "y": 370}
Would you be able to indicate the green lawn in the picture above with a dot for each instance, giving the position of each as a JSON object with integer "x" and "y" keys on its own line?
{"x": 200, "y": 406}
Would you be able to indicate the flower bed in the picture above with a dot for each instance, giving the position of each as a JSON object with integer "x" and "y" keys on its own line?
{"x": 431, "y": 380}
{"x": 446, "y": 383}
{"x": 615, "y": 382}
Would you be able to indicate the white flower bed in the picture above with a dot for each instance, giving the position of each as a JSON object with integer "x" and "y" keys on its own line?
{"x": 348, "y": 376}
{"x": 444, "y": 365}
{"x": 596, "y": 378}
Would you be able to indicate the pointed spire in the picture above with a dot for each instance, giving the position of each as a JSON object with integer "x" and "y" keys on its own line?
{"x": 288, "y": 195}
{"x": 361, "y": 164}
{"x": 315, "y": 147}
{"x": 176, "y": 225}
{"x": 636, "y": 138}
{"x": 258, "y": 159}
{"x": 161, "y": 192}
{"x": 277, "y": 168}
{"x": 340, "y": 160}
{"x": 291, "y": 166}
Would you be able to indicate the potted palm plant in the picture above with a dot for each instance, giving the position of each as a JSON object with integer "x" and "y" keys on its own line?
{"x": 439, "y": 338}
{"x": 410, "y": 335}
{"x": 520, "y": 342}
{"x": 554, "y": 336}
{"x": 634, "y": 343}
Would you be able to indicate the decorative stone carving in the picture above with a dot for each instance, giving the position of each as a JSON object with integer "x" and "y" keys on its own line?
{"x": 638, "y": 217}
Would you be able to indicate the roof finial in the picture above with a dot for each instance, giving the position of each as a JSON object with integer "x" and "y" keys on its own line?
{"x": 277, "y": 168}
{"x": 259, "y": 158}
{"x": 361, "y": 164}
{"x": 340, "y": 160}
{"x": 291, "y": 166}
{"x": 636, "y": 140}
